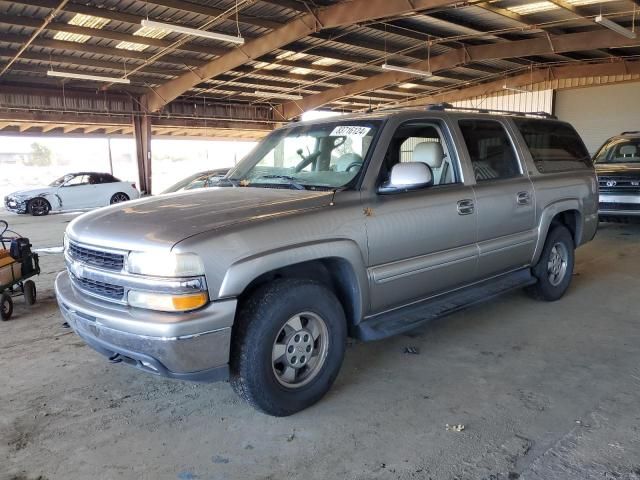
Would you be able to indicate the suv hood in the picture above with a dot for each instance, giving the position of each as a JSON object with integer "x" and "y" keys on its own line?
{"x": 618, "y": 169}
{"x": 161, "y": 222}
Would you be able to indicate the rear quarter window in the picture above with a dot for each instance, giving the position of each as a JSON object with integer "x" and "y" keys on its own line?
{"x": 554, "y": 146}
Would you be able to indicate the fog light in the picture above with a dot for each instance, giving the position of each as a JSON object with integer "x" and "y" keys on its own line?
{"x": 167, "y": 302}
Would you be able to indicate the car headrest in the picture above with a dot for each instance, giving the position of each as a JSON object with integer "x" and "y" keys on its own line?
{"x": 628, "y": 151}
{"x": 430, "y": 153}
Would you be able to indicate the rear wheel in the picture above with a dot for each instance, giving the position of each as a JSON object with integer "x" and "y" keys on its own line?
{"x": 6, "y": 306}
{"x": 119, "y": 198}
{"x": 38, "y": 207}
{"x": 288, "y": 345}
{"x": 29, "y": 288}
{"x": 555, "y": 267}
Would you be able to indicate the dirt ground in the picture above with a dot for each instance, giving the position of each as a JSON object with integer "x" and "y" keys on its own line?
{"x": 544, "y": 391}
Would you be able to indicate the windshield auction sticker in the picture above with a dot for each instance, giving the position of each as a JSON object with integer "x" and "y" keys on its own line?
{"x": 350, "y": 130}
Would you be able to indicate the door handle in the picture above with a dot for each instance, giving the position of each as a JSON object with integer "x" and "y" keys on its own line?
{"x": 465, "y": 207}
{"x": 523, "y": 198}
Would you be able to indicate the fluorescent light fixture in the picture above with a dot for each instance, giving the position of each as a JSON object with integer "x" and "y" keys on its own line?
{"x": 192, "y": 31}
{"x": 301, "y": 71}
{"x": 285, "y": 96}
{"x": 412, "y": 71}
{"x": 82, "y": 76}
{"x": 605, "y": 22}
{"x": 533, "y": 7}
{"x": 512, "y": 89}
{"x": 408, "y": 85}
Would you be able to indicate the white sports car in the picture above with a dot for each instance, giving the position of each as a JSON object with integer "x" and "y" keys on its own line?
{"x": 75, "y": 191}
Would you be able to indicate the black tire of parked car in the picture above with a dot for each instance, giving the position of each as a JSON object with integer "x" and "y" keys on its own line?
{"x": 260, "y": 321}
{"x": 38, "y": 207}
{"x": 118, "y": 198}
{"x": 6, "y": 306}
{"x": 560, "y": 238}
{"x": 29, "y": 292}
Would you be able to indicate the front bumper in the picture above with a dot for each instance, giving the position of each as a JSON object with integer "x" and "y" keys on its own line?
{"x": 619, "y": 205}
{"x": 189, "y": 346}
{"x": 15, "y": 205}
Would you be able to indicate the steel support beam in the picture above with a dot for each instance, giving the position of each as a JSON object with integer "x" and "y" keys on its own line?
{"x": 344, "y": 13}
{"x": 142, "y": 135}
{"x": 537, "y": 46}
{"x": 538, "y": 75}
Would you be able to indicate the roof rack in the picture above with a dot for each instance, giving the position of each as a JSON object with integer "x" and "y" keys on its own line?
{"x": 448, "y": 106}
{"x": 631, "y": 132}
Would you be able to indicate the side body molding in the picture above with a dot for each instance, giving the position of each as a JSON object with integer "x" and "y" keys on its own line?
{"x": 347, "y": 252}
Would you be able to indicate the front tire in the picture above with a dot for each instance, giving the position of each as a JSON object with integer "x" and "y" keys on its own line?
{"x": 6, "y": 306}
{"x": 555, "y": 267}
{"x": 38, "y": 207}
{"x": 119, "y": 198}
{"x": 288, "y": 345}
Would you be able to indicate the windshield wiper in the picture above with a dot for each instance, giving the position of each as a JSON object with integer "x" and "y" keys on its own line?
{"x": 292, "y": 181}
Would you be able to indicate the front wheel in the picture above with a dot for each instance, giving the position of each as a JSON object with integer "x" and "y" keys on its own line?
{"x": 288, "y": 344}
{"x": 38, "y": 207}
{"x": 6, "y": 306}
{"x": 555, "y": 267}
{"x": 119, "y": 198}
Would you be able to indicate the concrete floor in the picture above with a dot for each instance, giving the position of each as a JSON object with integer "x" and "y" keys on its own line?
{"x": 544, "y": 390}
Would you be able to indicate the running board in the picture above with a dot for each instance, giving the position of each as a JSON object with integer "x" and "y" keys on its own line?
{"x": 407, "y": 318}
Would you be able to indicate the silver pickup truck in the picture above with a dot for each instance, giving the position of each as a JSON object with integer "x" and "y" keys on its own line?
{"x": 366, "y": 226}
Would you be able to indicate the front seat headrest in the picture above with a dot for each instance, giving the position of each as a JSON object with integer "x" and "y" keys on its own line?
{"x": 430, "y": 153}
{"x": 628, "y": 151}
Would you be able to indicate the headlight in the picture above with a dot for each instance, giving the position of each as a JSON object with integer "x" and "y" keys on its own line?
{"x": 167, "y": 302}
{"x": 165, "y": 265}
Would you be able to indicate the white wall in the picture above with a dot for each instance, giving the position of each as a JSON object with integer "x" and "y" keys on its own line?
{"x": 598, "y": 113}
{"x": 535, "y": 101}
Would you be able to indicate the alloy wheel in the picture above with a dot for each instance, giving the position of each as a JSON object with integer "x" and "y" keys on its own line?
{"x": 300, "y": 350}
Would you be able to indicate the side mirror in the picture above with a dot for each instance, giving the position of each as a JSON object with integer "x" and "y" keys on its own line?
{"x": 407, "y": 176}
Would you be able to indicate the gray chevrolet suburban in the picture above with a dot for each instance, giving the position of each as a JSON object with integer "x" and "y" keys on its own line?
{"x": 366, "y": 226}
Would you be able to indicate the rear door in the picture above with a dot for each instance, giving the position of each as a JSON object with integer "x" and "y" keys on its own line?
{"x": 504, "y": 196}
{"x": 421, "y": 242}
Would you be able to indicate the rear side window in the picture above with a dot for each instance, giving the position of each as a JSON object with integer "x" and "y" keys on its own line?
{"x": 490, "y": 149}
{"x": 554, "y": 146}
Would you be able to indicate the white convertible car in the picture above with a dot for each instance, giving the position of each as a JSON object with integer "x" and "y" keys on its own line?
{"x": 75, "y": 191}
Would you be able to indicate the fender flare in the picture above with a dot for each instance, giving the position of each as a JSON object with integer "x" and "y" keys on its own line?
{"x": 547, "y": 216}
{"x": 241, "y": 273}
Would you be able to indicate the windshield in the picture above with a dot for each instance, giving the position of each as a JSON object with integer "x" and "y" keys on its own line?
{"x": 317, "y": 156}
{"x": 621, "y": 150}
{"x": 60, "y": 181}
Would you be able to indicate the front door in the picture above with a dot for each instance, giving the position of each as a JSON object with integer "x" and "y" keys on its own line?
{"x": 505, "y": 200}
{"x": 77, "y": 193}
{"x": 421, "y": 242}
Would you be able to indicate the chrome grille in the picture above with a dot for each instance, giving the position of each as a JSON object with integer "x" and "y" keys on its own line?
{"x": 619, "y": 185}
{"x": 101, "y": 289}
{"x": 96, "y": 258}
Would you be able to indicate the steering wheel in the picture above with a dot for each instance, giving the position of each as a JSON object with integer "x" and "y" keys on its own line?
{"x": 353, "y": 165}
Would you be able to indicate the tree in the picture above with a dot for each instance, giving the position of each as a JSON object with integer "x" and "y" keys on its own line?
{"x": 40, "y": 155}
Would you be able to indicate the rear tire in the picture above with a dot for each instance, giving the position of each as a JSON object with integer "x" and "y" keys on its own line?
{"x": 288, "y": 345}
{"x": 38, "y": 207}
{"x": 119, "y": 198}
{"x": 6, "y": 306}
{"x": 30, "y": 292}
{"x": 555, "y": 267}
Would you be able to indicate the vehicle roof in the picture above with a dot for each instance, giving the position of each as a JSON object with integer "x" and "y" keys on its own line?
{"x": 89, "y": 173}
{"x": 434, "y": 111}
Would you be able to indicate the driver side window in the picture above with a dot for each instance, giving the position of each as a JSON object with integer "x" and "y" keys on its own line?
{"x": 422, "y": 142}
{"x": 78, "y": 180}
